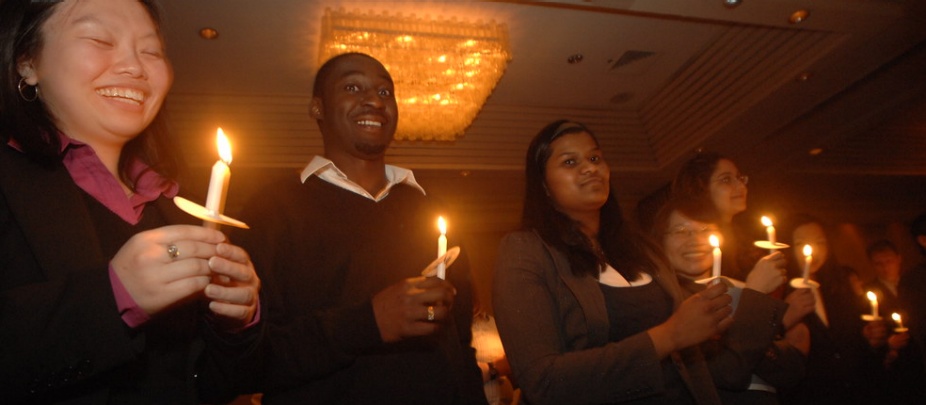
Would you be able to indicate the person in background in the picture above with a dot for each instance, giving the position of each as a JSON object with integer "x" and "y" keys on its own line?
{"x": 105, "y": 297}
{"x": 763, "y": 351}
{"x": 715, "y": 180}
{"x": 350, "y": 318}
{"x": 885, "y": 259}
{"x": 896, "y": 365}
{"x": 587, "y": 309}
{"x": 838, "y": 351}
{"x": 912, "y": 288}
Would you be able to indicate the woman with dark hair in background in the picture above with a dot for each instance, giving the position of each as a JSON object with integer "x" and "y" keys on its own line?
{"x": 102, "y": 300}
{"x": 838, "y": 350}
{"x": 587, "y": 309}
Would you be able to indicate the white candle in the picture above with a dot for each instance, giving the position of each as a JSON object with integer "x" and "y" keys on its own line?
{"x": 769, "y": 229}
{"x": 218, "y": 183}
{"x": 896, "y": 318}
{"x": 441, "y": 247}
{"x": 808, "y": 258}
{"x": 715, "y": 242}
{"x": 874, "y": 303}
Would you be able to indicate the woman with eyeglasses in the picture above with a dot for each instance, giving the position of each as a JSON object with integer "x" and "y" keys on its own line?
{"x": 587, "y": 309}
{"x": 750, "y": 363}
{"x": 716, "y": 181}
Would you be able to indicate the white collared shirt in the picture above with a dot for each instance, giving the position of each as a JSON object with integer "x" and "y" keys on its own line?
{"x": 327, "y": 171}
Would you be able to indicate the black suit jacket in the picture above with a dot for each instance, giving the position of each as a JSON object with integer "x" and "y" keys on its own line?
{"x": 61, "y": 335}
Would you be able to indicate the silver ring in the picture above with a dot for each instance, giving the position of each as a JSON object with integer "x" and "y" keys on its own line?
{"x": 172, "y": 251}
{"x": 430, "y": 313}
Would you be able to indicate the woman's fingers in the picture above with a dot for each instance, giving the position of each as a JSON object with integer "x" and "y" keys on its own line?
{"x": 163, "y": 266}
{"x": 231, "y": 295}
{"x": 233, "y": 292}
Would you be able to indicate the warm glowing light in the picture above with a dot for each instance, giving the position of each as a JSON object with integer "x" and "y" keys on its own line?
{"x": 224, "y": 146}
{"x": 441, "y": 247}
{"x": 770, "y": 230}
{"x": 716, "y": 253}
{"x": 425, "y": 56}
{"x": 874, "y": 303}
{"x": 808, "y": 258}
{"x": 208, "y": 33}
{"x": 442, "y": 225}
{"x": 798, "y": 16}
{"x": 896, "y": 317}
{"x": 218, "y": 181}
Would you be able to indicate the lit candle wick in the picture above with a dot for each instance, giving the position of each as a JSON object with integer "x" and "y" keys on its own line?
{"x": 874, "y": 303}
{"x": 808, "y": 258}
{"x": 770, "y": 231}
{"x": 897, "y": 319}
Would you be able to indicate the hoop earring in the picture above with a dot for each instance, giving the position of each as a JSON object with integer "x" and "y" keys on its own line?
{"x": 23, "y": 85}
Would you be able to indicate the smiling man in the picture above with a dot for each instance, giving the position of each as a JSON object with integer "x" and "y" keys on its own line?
{"x": 351, "y": 320}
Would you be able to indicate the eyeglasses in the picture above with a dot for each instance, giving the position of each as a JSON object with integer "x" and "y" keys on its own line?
{"x": 682, "y": 231}
{"x": 728, "y": 179}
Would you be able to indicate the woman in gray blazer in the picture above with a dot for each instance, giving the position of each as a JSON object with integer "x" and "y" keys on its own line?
{"x": 588, "y": 310}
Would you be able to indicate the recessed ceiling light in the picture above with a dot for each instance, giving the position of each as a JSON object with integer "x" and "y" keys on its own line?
{"x": 798, "y": 16}
{"x": 732, "y": 3}
{"x": 573, "y": 59}
{"x": 208, "y": 33}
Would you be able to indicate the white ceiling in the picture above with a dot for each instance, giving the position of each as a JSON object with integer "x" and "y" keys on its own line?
{"x": 720, "y": 78}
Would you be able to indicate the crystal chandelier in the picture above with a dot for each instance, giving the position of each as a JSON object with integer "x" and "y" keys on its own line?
{"x": 443, "y": 69}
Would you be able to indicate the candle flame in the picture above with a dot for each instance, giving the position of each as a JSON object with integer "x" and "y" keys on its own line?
{"x": 442, "y": 225}
{"x": 871, "y": 296}
{"x": 766, "y": 221}
{"x": 224, "y": 146}
{"x": 808, "y": 250}
{"x": 714, "y": 241}
{"x": 896, "y": 317}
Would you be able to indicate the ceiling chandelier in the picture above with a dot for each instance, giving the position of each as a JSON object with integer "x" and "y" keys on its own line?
{"x": 444, "y": 70}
